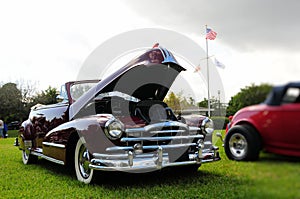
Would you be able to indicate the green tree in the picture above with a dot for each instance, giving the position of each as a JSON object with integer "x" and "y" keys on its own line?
{"x": 11, "y": 105}
{"x": 46, "y": 97}
{"x": 173, "y": 102}
{"x": 178, "y": 103}
{"x": 15, "y": 103}
{"x": 203, "y": 103}
{"x": 253, "y": 94}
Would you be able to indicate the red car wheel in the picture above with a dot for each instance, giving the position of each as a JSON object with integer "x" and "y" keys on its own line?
{"x": 242, "y": 143}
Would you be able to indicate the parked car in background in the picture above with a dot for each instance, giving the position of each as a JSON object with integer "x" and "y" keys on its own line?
{"x": 14, "y": 125}
{"x": 272, "y": 126}
{"x": 119, "y": 123}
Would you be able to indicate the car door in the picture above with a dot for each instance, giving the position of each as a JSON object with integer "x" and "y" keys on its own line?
{"x": 290, "y": 106}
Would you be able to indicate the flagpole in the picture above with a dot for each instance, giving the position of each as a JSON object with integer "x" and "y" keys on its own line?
{"x": 207, "y": 65}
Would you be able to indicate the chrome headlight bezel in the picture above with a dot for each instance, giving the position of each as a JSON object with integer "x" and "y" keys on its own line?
{"x": 207, "y": 126}
{"x": 114, "y": 129}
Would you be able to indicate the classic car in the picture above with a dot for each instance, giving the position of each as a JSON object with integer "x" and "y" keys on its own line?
{"x": 120, "y": 123}
{"x": 272, "y": 126}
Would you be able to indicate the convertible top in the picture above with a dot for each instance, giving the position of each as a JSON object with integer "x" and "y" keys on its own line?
{"x": 275, "y": 96}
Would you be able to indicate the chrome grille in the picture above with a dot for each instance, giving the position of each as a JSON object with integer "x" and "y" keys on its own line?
{"x": 168, "y": 135}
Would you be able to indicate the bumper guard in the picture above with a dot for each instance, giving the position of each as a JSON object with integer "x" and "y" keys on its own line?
{"x": 136, "y": 161}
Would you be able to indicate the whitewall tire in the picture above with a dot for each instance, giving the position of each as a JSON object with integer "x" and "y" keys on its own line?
{"x": 82, "y": 160}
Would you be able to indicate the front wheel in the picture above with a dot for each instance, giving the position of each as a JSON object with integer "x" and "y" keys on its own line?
{"x": 242, "y": 143}
{"x": 82, "y": 160}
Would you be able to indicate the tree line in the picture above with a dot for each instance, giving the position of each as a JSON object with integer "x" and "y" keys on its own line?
{"x": 17, "y": 99}
{"x": 250, "y": 95}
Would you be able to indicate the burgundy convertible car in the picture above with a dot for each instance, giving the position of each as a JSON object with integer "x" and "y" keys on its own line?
{"x": 120, "y": 123}
{"x": 272, "y": 126}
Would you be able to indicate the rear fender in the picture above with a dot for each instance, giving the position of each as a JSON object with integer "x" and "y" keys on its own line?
{"x": 26, "y": 132}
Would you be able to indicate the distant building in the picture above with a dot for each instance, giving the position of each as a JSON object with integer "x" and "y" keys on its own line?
{"x": 195, "y": 110}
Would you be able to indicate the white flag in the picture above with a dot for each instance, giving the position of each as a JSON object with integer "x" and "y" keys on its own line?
{"x": 219, "y": 64}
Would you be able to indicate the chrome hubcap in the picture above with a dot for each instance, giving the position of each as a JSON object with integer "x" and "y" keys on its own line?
{"x": 26, "y": 154}
{"x": 84, "y": 161}
{"x": 238, "y": 145}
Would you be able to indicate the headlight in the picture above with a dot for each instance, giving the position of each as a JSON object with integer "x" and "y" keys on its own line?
{"x": 207, "y": 125}
{"x": 114, "y": 129}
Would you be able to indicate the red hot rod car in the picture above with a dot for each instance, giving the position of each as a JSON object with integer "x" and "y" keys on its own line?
{"x": 119, "y": 123}
{"x": 272, "y": 126}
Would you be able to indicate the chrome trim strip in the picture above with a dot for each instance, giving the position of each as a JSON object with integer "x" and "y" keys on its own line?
{"x": 172, "y": 146}
{"x": 154, "y": 147}
{"x": 38, "y": 150}
{"x": 54, "y": 145}
{"x": 48, "y": 158}
{"x": 135, "y": 130}
{"x": 110, "y": 156}
{"x": 158, "y": 126}
{"x": 160, "y": 138}
{"x": 193, "y": 128}
{"x": 121, "y": 156}
{"x": 119, "y": 148}
{"x": 168, "y": 131}
{"x": 105, "y": 168}
{"x": 167, "y": 124}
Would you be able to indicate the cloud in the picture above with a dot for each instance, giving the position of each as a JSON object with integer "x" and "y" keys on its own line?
{"x": 243, "y": 25}
{"x": 47, "y": 42}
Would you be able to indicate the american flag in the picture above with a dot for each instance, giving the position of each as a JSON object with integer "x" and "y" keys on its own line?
{"x": 197, "y": 69}
{"x": 210, "y": 34}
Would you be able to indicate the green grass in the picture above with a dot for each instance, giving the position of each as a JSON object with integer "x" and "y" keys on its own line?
{"x": 270, "y": 177}
{"x": 12, "y": 133}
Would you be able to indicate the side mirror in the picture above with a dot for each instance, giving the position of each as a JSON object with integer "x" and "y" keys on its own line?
{"x": 60, "y": 98}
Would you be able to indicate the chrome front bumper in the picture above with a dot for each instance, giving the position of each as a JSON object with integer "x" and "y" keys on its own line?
{"x": 139, "y": 162}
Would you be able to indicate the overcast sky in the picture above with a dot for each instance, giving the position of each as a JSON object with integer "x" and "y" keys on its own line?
{"x": 46, "y": 43}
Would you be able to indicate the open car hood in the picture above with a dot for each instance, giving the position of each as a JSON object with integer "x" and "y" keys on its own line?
{"x": 149, "y": 76}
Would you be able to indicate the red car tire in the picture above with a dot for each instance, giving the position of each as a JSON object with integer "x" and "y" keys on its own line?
{"x": 242, "y": 143}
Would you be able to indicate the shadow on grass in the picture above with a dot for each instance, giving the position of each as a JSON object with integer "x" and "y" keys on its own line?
{"x": 126, "y": 178}
{"x": 172, "y": 176}
{"x": 173, "y": 182}
{"x": 56, "y": 169}
{"x": 270, "y": 157}
{"x": 167, "y": 176}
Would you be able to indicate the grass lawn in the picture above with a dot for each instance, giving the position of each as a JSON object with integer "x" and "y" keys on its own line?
{"x": 270, "y": 177}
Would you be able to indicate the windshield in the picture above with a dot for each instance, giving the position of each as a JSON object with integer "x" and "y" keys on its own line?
{"x": 78, "y": 89}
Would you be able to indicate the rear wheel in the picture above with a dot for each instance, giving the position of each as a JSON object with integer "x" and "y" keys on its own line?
{"x": 242, "y": 143}
{"x": 82, "y": 159}
{"x": 28, "y": 158}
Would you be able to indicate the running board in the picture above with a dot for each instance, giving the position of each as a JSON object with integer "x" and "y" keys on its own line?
{"x": 47, "y": 157}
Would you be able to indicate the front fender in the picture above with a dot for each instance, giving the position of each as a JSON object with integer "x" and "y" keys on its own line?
{"x": 250, "y": 118}
{"x": 196, "y": 120}
{"x": 193, "y": 120}
{"x": 89, "y": 128}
